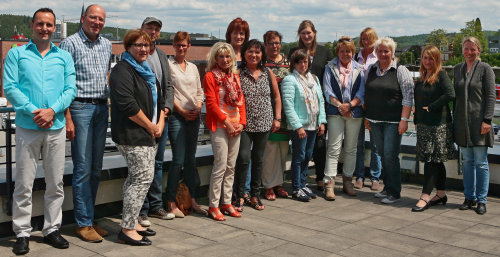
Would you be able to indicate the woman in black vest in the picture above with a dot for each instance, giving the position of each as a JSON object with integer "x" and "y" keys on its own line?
{"x": 388, "y": 101}
{"x": 433, "y": 92}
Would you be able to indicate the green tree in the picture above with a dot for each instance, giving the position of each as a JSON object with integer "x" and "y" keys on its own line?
{"x": 407, "y": 58}
{"x": 472, "y": 28}
{"x": 438, "y": 38}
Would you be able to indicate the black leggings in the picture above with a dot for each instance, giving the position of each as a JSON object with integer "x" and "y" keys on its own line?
{"x": 434, "y": 174}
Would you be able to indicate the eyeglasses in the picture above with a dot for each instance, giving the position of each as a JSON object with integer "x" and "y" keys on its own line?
{"x": 180, "y": 46}
{"x": 274, "y": 43}
{"x": 345, "y": 40}
{"x": 140, "y": 45}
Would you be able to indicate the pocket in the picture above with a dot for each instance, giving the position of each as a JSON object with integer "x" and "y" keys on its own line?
{"x": 76, "y": 105}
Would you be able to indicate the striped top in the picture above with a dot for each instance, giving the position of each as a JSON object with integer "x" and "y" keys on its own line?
{"x": 92, "y": 63}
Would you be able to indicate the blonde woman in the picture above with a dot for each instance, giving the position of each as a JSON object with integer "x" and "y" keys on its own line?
{"x": 225, "y": 119}
{"x": 433, "y": 92}
{"x": 474, "y": 106}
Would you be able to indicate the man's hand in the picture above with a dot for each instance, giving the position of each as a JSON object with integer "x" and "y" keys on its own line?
{"x": 44, "y": 117}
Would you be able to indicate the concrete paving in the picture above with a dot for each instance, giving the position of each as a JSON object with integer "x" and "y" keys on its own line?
{"x": 349, "y": 226}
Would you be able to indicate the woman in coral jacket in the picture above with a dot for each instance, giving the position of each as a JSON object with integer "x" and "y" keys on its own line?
{"x": 226, "y": 118}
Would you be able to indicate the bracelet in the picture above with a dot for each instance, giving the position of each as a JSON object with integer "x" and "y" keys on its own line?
{"x": 277, "y": 119}
{"x": 350, "y": 105}
{"x": 405, "y": 119}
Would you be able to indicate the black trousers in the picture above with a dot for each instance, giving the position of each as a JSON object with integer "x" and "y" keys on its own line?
{"x": 319, "y": 156}
{"x": 434, "y": 175}
{"x": 252, "y": 145}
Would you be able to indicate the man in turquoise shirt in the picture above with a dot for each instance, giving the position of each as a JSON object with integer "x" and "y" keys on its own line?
{"x": 39, "y": 81}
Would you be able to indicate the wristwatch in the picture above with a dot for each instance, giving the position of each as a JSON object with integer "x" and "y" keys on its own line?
{"x": 277, "y": 119}
{"x": 405, "y": 119}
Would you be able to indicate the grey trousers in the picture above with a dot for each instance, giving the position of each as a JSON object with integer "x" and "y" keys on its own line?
{"x": 141, "y": 166}
{"x": 29, "y": 145}
{"x": 225, "y": 151}
{"x": 274, "y": 163}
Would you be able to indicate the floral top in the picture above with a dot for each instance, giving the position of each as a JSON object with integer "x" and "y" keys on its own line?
{"x": 257, "y": 93}
{"x": 280, "y": 69}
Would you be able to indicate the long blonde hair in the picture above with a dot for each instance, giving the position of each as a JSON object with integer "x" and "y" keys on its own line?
{"x": 218, "y": 48}
{"x": 434, "y": 53}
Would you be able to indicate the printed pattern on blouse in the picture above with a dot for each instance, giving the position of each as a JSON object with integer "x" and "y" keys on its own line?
{"x": 257, "y": 95}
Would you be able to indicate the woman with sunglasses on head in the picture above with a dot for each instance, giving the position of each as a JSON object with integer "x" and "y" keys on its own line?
{"x": 320, "y": 56}
{"x": 344, "y": 89}
{"x": 184, "y": 123}
{"x": 433, "y": 92}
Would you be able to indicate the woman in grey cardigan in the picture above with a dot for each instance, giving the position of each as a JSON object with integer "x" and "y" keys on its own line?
{"x": 474, "y": 106}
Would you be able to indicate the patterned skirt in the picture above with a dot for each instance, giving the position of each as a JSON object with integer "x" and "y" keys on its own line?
{"x": 435, "y": 143}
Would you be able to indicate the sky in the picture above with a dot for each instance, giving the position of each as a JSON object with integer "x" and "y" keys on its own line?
{"x": 332, "y": 18}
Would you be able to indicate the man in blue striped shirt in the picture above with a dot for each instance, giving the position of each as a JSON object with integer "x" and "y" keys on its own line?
{"x": 39, "y": 81}
{"x": 87, "y": 117}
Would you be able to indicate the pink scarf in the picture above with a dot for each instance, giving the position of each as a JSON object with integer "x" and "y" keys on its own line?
{"x": 345, "y": 73}
{"x": 231, "y": 85}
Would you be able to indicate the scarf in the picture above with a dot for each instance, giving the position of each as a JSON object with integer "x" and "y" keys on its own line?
{"x": 145, "y": 72}
{"x": 311, "y": 98}
{"x": 231, "y": 85}
{"x": 345, "y": 73}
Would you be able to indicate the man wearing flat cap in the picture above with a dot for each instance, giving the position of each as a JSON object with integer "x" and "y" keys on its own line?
{"x": 158, "y": 61}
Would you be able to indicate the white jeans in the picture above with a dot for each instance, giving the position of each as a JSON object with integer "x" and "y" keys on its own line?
{"x": 339, "y": 126}
{"x": 29, "y": 145}
{"x": 225, "y": 150}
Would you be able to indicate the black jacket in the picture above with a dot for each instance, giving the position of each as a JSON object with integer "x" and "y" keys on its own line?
{"x": 320, "y": 59}
{"x": 436, "y": 97}
{"x": 129, "y": 93}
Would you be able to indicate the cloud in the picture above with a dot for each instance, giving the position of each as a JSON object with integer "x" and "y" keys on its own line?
{"x": 332, "y": 18}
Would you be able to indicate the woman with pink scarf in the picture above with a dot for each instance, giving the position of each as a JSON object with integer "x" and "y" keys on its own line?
{"x": 344, "y": 89}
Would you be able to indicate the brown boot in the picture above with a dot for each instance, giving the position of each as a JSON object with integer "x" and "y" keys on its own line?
{"x": 102, "y": 232}
{"x": 329, "y": 192}
{"x": 347, "y": 186}
{"x": 88, "y": 234}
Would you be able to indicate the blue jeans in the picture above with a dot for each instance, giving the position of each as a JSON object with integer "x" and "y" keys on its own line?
{"x": 387, "y": 141}
{"x": 87, "y": 151}
{"x": 375, "y": 161}
{"x": 476, "y": 173}
{"x": 153, "y": 200}
{"x": 183, "y": 137}
{"x": 302, "y": 150}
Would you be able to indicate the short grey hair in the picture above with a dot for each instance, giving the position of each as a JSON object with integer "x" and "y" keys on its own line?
{"x": 388, "y": 42}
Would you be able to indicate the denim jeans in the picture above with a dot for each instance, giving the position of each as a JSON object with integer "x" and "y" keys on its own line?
{"x": 153, "y": 200}
{"x": 87, "y": 151}
{"x": 375, "y": 161}
{"x": 183, "y": 137}
{"x": 387, "y": 141}
{"x": 476, "y": 173}
{"x": 302, "y": 150}
{"x": 252, "y": 146}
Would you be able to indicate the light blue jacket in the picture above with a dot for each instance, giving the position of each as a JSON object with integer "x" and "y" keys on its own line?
{"x": 34, "y": 82}
{"x": 295, "y": 105}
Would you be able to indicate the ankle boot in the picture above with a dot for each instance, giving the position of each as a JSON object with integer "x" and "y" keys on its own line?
{"x": 347, "y": 186}
{"x": 329, "y": 192}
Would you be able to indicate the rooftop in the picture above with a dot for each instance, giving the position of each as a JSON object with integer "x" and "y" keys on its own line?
{"x": 349, "y": 226}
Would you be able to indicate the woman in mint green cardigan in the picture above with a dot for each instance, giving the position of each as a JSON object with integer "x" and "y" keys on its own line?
{"x": 305, "y": 111}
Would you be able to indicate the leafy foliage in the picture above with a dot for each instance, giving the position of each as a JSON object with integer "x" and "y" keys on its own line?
{"x": 438, "y": 38}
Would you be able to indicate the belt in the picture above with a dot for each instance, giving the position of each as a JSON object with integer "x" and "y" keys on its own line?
{"x": 92, "y": 100}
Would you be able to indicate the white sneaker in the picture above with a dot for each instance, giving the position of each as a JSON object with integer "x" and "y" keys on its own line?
{"x": 390, "y": 199}
{"x": 381, "y": 194}
{"x": 144, "y": 221}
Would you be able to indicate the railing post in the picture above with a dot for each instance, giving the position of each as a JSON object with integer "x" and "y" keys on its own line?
{"x": 8, "y": 160}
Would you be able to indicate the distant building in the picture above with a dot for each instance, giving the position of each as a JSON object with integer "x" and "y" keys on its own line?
{"x": 61, "y": 31}
{"x": 494, "y": 43}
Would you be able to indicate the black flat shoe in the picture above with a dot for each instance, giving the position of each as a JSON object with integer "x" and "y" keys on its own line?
{"x": 467, "y": 205}
{"x": 56, "y": 240}
{"x": 442, "y": 200}
{"x": 147, "y": 232}
{"x": 21, "y": 246}
{"x": 421, "y": 209}
{"x": 124, "y": 239}
{"x": 481, "y": 208}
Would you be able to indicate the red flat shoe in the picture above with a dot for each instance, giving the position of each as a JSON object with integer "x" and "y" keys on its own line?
{"x": 214, "y": 213}
{"x": 270, "y": 194}
{"x": 225, "y": 209}
{"x": 280, "y": 192}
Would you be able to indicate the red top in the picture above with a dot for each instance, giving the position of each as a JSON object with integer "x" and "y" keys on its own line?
{"x": 214, "y": 112}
